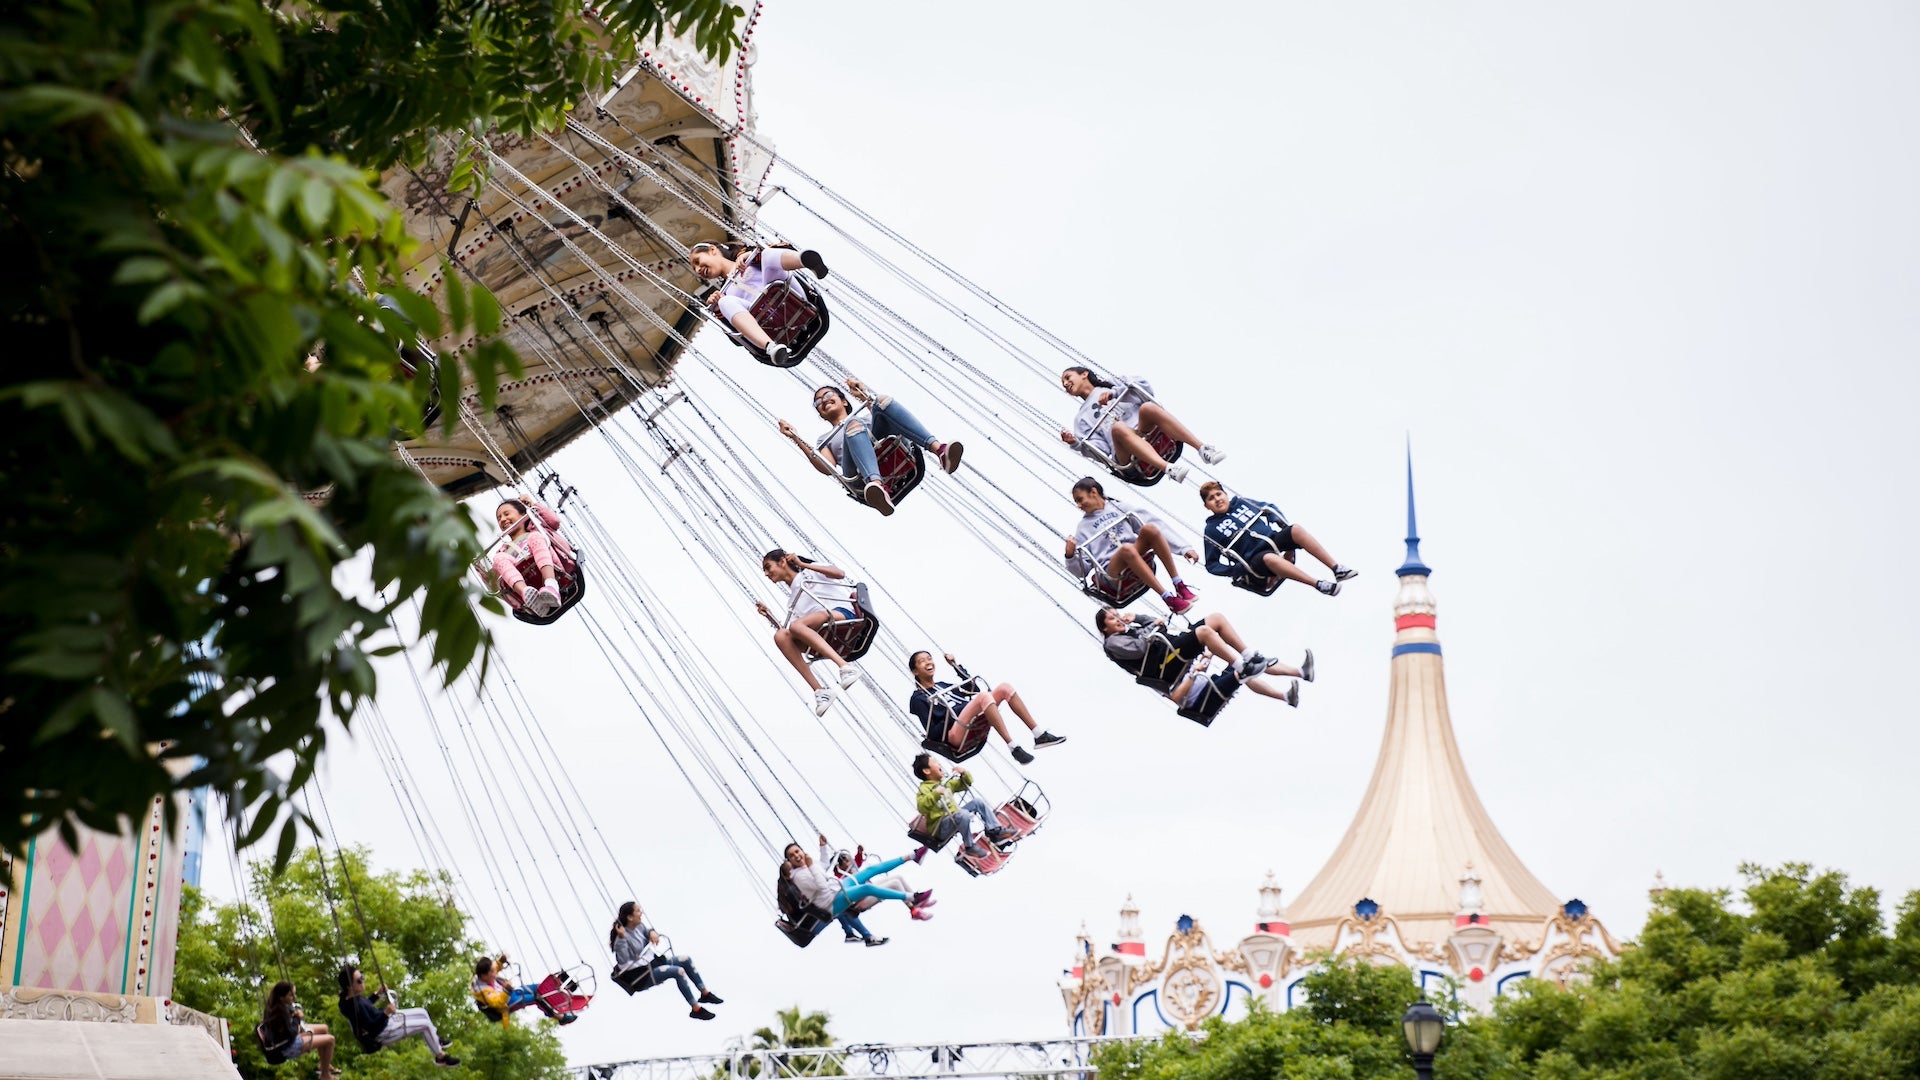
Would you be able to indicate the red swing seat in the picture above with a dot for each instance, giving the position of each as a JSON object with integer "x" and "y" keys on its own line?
{"x": 793, "y": 314}
{"x": 902, "y": 467}
{"x": 1138, "y": 473}
{"x": 851, "y": 638}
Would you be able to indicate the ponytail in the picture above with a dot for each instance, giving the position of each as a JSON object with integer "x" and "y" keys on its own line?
{"x": 620, "y": 922}
{"x": 1093, "y": 377}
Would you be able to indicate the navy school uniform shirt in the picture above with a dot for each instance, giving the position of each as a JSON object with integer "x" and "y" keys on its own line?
{"x": 1221, "y": 527}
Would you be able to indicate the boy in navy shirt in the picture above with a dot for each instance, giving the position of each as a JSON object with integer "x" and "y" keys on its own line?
{"x": 1239, "y": 537}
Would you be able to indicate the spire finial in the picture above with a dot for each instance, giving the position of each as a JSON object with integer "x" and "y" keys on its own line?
{"x": 1413, "y": 565}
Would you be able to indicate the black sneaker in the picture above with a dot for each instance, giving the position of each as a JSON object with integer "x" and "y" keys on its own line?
{"x": 708, "y": 997}
{"x": 446, "y": 1061}
{"x": 1328, "y": 588}
{"x": 1046, "y": 739}
{"x": 1342, "y": 573}
{"x": 1293, "y": 694}
{"x": 873, "y": 941}
{"x": 699, "y": 1013}
{"x": 812, "y": 261}
{"x": 1022, "y": 755}
{"x": 851, "y": 938}
{"x": 1306, "y": 667}
{"x": 777, "y": 354}
{"x": 568, "y": 1018}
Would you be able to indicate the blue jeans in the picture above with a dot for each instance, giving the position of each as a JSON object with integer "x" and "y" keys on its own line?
{"x": 962, "y": 819}
{"x": 853, "y": 926}
{"x": 860, "y": 462}
{"x": 860, "y": 890}
{"x": 679, "y": 969}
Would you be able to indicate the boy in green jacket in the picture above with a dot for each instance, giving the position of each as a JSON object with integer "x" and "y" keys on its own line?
{"x": 944, "y": 812}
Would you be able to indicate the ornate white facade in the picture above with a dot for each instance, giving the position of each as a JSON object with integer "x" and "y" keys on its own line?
{"x": 1422, "y": 879}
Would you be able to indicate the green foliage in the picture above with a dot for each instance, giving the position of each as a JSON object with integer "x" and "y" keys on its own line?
{"x": 228, "y": 959}
{"x": 797, "y": 1030}
{"x": 165, "y": 579}
{"x": 1806, "y": 984}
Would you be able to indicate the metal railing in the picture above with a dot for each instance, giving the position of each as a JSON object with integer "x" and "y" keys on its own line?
{"x": 1069, "y": 1057}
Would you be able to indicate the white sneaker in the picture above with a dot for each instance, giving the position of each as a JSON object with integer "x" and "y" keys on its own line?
{"x": 1176, "y": 472}
{"x": 848, "y": 676}
{"x": 543, "y": 601}
{"x": 1212, "y": 455}
{"x": 822, "y": 701}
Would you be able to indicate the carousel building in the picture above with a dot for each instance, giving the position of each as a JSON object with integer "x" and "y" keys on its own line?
{"x": 1422, "y": 879}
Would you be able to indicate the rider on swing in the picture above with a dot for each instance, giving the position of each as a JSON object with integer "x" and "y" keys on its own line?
{"x": 1129, "y": 643}
{"x": 1117, "y": 540}
{"x": 525, "y": 539}
{"x": 933, "y": 707}
{"x": 1264, "y": 544}
{"x": 744, "y": 272}
{"x": 850, "y": 444}
{"x": 810, "y": 589}
{"x": 1114, "y": 436}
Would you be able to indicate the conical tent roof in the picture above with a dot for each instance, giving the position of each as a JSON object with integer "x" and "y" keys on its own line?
{"x": 1421, "y": 823}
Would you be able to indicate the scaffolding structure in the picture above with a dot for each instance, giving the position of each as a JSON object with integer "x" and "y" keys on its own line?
{"x": 1065, "y": 1058}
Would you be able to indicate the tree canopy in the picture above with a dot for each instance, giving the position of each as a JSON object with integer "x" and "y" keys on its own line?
{"x": 1799, "y": 979}
{"x": 188, "y": 210}
{"x": 231, "y": 954}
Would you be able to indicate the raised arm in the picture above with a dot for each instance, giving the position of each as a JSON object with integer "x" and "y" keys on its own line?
{"x": 822, "y": 569}
{"x": 820, "y": 461}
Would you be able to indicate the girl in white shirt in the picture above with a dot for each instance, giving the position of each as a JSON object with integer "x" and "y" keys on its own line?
{"x": 814, "y": 599}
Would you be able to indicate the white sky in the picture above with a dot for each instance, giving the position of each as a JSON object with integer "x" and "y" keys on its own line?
{"x": 1639, "y": 281}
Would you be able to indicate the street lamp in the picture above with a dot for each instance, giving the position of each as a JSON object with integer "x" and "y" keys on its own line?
{"x": 1423, "y": 1025}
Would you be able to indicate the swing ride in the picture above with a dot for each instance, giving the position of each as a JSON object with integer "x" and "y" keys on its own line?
{"x": 584, "y": 235}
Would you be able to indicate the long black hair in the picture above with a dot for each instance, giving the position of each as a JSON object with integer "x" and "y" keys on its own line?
{"x": 620, "y": 922}
{"x": 730, "y": 250}
{"x": 346, "y": 981}
{"x": 1092, "y": 376}
{"x": 279, "y": 1009}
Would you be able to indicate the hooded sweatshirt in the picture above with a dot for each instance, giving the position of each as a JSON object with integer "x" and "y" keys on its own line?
{"x": 1094, "y": 547}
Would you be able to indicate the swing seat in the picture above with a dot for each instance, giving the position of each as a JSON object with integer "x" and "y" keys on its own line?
{"x": 851, "y": 638}
{"x": 634, "y": 979}
{"x": 274, "y": 1051}
{"x": 919, "y": 833}
{"x": 990, "y": 863}
{"x": 1159, "y": 669}
{"x": 902, "y": 467}
{"x": 567, "y": 991}
{"x": 803, "y": 928}
{"x": 1115, "y": 592}
{"x": 572, "y": 580}
{"x": 1255, "y": 579}
{"x": 793, "y": 314}
{"x": 1023, "y": 813}
{"x": 977, "y": 732}
{"x": 1208, "y": 705}
{"x": 1140, "y": 474}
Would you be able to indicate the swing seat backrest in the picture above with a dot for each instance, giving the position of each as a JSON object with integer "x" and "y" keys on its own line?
{"x": 919, "y": 833}
{"x": 902, "y": 467}
{"x": 1160, "y": 668}
{"x": 1138, "y": 473}
{"x": 1021, "y": 818}
{"x": 794, "y": 314}
{"x": 804, "y": 927}
{"x": 1115, "y": 592}
{"x": 274, "y": 1050}
{"x": 563, "y": 991}
{"x": 1208, "y": 704}
{"x": 975, "y": 739}
{"x": 851, "y": 638}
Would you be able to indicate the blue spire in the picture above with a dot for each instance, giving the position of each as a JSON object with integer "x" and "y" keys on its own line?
{"x": 1413, "y": 565}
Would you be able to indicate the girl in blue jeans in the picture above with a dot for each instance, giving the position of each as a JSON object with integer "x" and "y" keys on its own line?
{"x": 849, "y": 446}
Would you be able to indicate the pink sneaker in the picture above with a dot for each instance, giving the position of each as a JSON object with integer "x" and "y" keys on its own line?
{"x": 1185, "y": 593}
{"x": 920, "y": 898}
{"x": 1177, "y": 604}
{"x": 920, "y": 915}
{"x": 918, "y": 853}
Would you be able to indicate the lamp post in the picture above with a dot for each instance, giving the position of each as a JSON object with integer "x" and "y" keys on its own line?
{"x": 1422, "y": 1025}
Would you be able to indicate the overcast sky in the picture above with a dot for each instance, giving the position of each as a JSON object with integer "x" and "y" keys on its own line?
{"x": 1637, "y": 279}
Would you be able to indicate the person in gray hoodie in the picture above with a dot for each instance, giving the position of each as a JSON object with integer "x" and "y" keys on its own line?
{"x": 1116, "y": 539}
{"x": 635, "y": 944}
